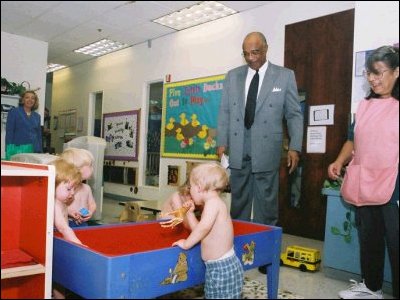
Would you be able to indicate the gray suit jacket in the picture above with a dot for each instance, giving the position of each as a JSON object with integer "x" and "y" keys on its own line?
{"x": 277, "y": 99}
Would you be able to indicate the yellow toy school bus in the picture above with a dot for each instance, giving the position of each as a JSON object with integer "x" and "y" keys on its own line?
{"x": 306, "y": 259}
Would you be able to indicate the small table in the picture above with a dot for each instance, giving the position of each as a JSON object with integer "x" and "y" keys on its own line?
{"x": 136, "y": 260}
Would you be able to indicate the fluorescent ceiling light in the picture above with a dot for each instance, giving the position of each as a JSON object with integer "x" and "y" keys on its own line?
{"x": 203, "y": 12}
{"x": 54, "y": 67}
{"x": 101, "y": 47}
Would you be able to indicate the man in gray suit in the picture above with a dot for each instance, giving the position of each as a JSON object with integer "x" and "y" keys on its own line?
{"x": 254, "y": 142}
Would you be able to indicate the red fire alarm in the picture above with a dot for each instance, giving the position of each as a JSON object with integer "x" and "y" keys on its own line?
{"x": 168, "y": 78}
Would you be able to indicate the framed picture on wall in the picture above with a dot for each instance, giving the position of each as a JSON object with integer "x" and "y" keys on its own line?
{"x": 121, "y": 132}
{"x": 173, "y": 175}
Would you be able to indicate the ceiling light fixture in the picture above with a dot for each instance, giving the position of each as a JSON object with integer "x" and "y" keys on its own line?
{"x": 203, "y": 12}
{"x": 101, "y": 47}
{"x": 54, "y": 67}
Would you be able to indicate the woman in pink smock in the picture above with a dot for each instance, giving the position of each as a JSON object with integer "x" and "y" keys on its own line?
{"x": 373, "y": 144}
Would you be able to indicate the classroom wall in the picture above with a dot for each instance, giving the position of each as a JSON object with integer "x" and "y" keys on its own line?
{"x": 25, "y": 59}
{"x": 376, "y": 24}
{"x": 204, "y": 50}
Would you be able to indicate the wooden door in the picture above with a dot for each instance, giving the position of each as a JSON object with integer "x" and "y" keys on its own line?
{"x": 320, "y": 51}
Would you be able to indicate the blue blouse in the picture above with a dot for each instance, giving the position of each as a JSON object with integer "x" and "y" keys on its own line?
{"x": 22, "y": 129}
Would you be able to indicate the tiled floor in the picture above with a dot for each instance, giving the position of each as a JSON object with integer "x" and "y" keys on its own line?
{"x": 307, "y": 284}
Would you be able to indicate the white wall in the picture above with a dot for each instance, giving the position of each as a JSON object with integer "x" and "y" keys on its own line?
{"x": 376, "y": 24}
{"x": 204, "y": 50}
{"x": 25, "y": 59}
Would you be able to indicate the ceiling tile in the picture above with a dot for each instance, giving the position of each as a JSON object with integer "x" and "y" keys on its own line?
{"x": 72, "y": 58}
{"x": 11, "y": 20}
{"x": 40, "y": 30}
{"x": 244, "y": 5}
{"x": 68, "y": 25}
{"x": 176, "y": 5}
{"x": 142, "y": 33}
{"x": 32, "y": 9}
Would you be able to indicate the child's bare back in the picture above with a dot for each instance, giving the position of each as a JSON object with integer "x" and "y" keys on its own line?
{"x": 220, "y": 238}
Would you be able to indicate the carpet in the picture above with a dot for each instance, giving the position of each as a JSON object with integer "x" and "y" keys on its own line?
{"x": 252, "y": 289}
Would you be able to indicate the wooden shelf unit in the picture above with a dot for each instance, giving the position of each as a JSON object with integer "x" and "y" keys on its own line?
{"x": 22, "y": 271}
{"x": 27, "y": 217}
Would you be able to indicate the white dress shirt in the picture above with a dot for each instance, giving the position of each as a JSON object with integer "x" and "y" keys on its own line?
{"x": 250, "y": 75}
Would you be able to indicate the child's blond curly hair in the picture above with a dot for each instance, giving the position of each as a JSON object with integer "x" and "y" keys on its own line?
{"x": 184, "y": 189}
{"x": 210, "y": 176}
{"x": 78, "y": 157}
{"x": 66, "y": 172}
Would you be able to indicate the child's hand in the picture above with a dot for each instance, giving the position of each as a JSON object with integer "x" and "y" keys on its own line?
{"x": 189, "y": 204}
{"x": 80, "y": 244}
{"x": 180, "y": 243}
{"x": 87, "y": 216}
{"x": 83, "y": 215}
{"x": 76, "y": 216}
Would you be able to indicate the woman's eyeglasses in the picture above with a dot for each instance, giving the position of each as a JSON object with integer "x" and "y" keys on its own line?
{"x": 374, "y": 75}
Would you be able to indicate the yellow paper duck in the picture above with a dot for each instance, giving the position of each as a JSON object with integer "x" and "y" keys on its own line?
{"x": 184, "y": 121}
{"x": 195, "y": 122}
{"x": 203, "y": 132}
{"x": 171, "y": 124}
{"x": 179, "y": 136}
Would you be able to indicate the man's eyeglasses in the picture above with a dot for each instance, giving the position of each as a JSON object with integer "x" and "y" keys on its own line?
{"x": 256, "y": 52}
{"x": 374, "y": 75}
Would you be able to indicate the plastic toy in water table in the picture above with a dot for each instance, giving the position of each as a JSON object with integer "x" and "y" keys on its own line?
{"x": 84, "y": 212}
{"x": 306, "y": 259}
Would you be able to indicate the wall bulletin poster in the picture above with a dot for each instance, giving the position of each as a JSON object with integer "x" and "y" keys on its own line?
{"x": 67, "y": 122}
{"x": 121, "y": 132}
{"x": 316, "y": 139}
{"x": 190, "y": 117}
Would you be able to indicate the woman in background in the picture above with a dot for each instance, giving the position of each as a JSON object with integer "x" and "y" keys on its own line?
{"x": 23, "y": 131}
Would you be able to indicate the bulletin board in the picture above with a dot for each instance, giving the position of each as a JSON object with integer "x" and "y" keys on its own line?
{"x": 121, "y": 132}
{"x": 190, "y": 117}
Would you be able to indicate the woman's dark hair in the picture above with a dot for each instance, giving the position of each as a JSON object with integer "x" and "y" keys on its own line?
{"x": 390, "y": 56}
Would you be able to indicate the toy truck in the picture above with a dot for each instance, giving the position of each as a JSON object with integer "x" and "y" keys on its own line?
{"x": 306, "y": 259}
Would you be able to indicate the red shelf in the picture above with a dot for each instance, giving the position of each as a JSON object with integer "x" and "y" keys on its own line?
{"x": 15, "y": 258}
{"x": 27, "y": 214}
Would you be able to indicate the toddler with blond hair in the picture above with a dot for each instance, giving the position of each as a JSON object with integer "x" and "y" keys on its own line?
{"x": 82, "y": 208}
{"x": 224, "y": 271}
{"x": 67, "y": 178}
